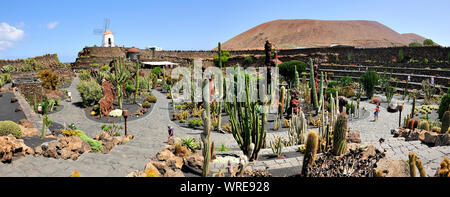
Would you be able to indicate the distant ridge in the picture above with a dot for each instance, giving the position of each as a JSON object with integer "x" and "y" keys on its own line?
{"x": 300, "y": 33}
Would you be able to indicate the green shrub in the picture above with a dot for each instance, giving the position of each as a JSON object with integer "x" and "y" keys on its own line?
{"x": 332, "y": 84}
{"x": 49, "y": 79}
{"x": 9, "y": 69}
{"x": 156, "y": 70}
{"x": 346, "y": 80}
{"x": 248, "y": 61}
{"x": 428, "y": 42}
{"x": 146, "y": 104}
{"x": 195, "y": 122}
{"x": 369, "y": 80}
{"x": 401, "y": 56}
{"x": 85, "y": 76}
{"x": 6, "y": 77}
{"x": 415, "y": 44}
{"x": 225, "y": 56}
{"x": 96, "y": 145}
{"x": 10, "y": 127}
{"x": 151, "y": 99}
{"x": 105, "y": 68}
{"x": 129, "y": 89}
{"x": 90, "y": 91}
{"x": 287, "y": 69}
{"x": 331, "y": 92}
{"x": 444, "y": 105}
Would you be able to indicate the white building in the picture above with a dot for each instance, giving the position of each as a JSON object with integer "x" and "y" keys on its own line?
{"x": 108, "y": 39}
{"x": 155, "y": 48}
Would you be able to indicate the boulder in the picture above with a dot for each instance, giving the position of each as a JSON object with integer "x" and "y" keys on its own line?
{"x": 394, "y": 168}
{"x": 430, "y": 138}
{"x": 174, "y": 173}
{"x": 18, "y": 109}
{"x": 106, "y": 102}
{"x": 10, "y": 148}
{"x": 102, "y": 136}
{"x": 26, "y": 123}
{"x": 195, "y": 160}
{"x": 151, "y": 167}
{"x": 442, "y": 140}
{"x": 63, "y": 147}
{"x": 165, "y": 155}
{"x": 354, "y": 137}
{"x": 182, "y": 151}
{"x": 175, "y": 163}
{"x": 369, "y": 152}
{"x": 392, "y": 108}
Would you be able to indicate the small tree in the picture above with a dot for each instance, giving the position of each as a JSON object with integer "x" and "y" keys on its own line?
{"x": 415, "y": 44}
{"x": 369, "y": 80}
{"x": 428, "y": 42}
{"x": 287, "y": 69}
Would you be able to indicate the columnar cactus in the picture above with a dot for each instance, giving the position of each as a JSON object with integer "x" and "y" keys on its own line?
{"x": 413, "y": 124}
{"x": 296, "y": 80}
{"x": 298, "y": 128}
{"x": 277, "y": 146}
{"x": 206, "y": 135}
{"x": 245, "y": 119}
{"x": 283, "y": 96}
{"x": 412, "y": 164}
{"x": 445, "y": 122}
{"x": 340, "y": 135}
{"x": 311, "y": 146}
{"x": 136, "y": 93}
{"x": 118, "y": 78}
{"x": 413, "y": 107}
{"x": 219, "y": 120}
{"x": 314, "y": 99}
{"x": 321, "y": 98}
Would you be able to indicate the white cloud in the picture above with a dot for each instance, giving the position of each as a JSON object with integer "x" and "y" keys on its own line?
{"x": 8, "y": 35}
{"x": 52, "y": 25}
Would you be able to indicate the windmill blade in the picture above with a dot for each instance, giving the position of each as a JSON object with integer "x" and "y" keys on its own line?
{"x": 98, "y": 31}
{"x": 107, "y": 22}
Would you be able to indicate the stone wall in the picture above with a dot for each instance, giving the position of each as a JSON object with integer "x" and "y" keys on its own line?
{"x": 50, "y": 60}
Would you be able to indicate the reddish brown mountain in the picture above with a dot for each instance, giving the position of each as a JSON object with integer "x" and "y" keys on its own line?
{"x": 319, "y": 33}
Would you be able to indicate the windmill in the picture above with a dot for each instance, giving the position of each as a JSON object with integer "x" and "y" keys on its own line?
{"x": 108, "y": 36}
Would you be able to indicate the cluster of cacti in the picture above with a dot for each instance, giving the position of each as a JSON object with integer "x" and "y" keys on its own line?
{"x": 445, "y": 122}
{"x": 314, "y": 98}
{"x": 444, "y": 169}
{"x": 311, "y": 146}
{"x": 118, "y": 78}
{"x": 207, "y": 146}
{"x": 297, "y": 130}
{"x": 415, "y": 163}
{"x": 244, "y": 119}
{"x": 424, "y": 125}
{"x": 277, "y": 145}
{"x": 340, "y": 135}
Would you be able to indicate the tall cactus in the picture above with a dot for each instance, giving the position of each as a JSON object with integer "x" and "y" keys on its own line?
{"x": 296, "y": 80}
{"x": 312, "y": 144}
{"x": 297, "y": 129}
{"x": 340, "y": 135}
{"x": 118, "y": 78}
{"x": 206, "y": 135}
{"x": 136, "y": 93}
{"x": 312, "y": 83}
{"x": 283, "y": 96}
{"x": 245, "y": 118}
{"x": 321, "y": 97}
{"x": 413, "y": 106}
{"x": 219, "y": 114}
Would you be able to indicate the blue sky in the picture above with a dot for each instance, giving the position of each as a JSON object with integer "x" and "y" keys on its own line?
{"x": 32, "y": 28}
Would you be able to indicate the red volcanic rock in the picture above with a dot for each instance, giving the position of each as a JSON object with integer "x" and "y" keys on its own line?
{"x": 106, "y": 103}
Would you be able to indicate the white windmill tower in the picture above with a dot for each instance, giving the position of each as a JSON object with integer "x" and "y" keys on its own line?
{"x": 108, "y": 36}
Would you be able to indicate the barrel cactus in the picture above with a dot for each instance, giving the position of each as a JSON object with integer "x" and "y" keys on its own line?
{"x": 424, "y": 125}
{"x": 413, "y": 124}
{"x": 10, "y": 127}
{"x": 312, "y": 144}
{"x": 340, "y": 134}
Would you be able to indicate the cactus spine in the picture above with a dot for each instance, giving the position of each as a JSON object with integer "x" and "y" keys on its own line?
{"x": 312, "y": 83}
{"x": 311, "y": 146}
{"x": 340, "y": 135}
{"x": 206, "y": 134}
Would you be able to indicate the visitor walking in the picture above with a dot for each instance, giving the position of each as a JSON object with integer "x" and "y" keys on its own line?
{"x": 69, "y": 95}
{"x": 171, "y": 132}
{"x": 377, "y": 111}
